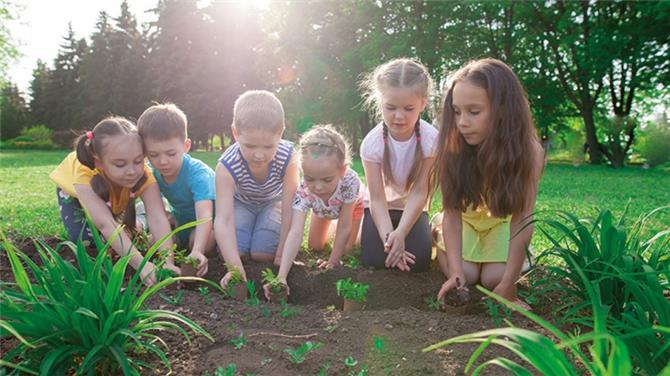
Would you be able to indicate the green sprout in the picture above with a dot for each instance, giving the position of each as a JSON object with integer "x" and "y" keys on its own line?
{"x": 274, "y": 283}
{"x": 352, "y": 290}
{"x": 433, "y": 303}
{"x": 350, "y": 361}
{"x": 297, "y": 356}
{"x": 286, "y": 310}
{"x": 253, "y": 299}
{"x": 204, "y": 292}
{"x": 239, "y": 342}
{"x": 176, "y": 300}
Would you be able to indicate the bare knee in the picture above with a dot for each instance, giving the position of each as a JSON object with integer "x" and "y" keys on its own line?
{"x": 262, "y": 257}
{"x": 492, "y": 274}
{"x": 316, "y": 245}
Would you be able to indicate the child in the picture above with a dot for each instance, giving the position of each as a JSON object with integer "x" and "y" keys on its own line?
{"x": 332, "y": 190}
{"x": 489, "y": 166}
{"x": 104, "y": 175}
{"x": 256, "y": 181}
{"x": 397, "y": 155}
{"x": 187, "y": 183}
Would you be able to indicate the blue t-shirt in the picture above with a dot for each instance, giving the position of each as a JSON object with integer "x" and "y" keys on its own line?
{"x": 194, "y": 183}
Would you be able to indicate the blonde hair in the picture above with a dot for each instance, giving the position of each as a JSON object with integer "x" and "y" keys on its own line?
{"x": 258, "y": 109}
{"x": 398, "y": 73}
{"x": 162, "y": 122}
{"x": 324, "y": 140}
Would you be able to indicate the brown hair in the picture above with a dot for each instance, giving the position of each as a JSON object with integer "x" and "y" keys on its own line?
{"x": 325, "y": 140}
{"x": 499, "y": 171}
{"x": 88, "y": 148}
{"x": 163, "y": 122}
{"x": 258, "y": 109}
{"x": 398, "y": 73}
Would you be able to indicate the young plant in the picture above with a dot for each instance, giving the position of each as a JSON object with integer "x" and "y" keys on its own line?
{"x": 352, "y": 290}
{"x": 286, "y": 310}
{"x": 297, "y": 356}
{"x": 239, "y": 342}
{"x": 253, "y": 299}
{"x": 230, "y": 370}
{"x": 181, "y": 257}
{"x": 275, "y": 285}
{"x": 235, "y": 275}
{"x": 352, "y": 262}
{"x": 204, "y": 292}
{"x": 350, "y": 361}
{"x": 498, "y": 312}
{"x": 75, "y": 318}
{"x": 176, "y": 300}
{"x": 433, "y": 303}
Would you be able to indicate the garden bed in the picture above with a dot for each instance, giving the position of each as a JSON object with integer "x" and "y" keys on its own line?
{"x": 385, "y": 338}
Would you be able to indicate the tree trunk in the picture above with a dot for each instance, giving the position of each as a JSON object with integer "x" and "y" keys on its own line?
{"x": 595, "y": 155}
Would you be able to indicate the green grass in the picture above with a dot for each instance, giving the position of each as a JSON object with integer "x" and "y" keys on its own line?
{"x": 28, "y": 206}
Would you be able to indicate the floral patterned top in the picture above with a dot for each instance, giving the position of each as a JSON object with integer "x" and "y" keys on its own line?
{"x": 348, "y": 190}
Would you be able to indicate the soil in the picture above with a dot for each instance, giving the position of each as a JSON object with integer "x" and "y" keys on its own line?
{"x": 384, "y": 338}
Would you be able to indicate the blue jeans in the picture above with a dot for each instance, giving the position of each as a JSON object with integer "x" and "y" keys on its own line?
{"x": 74, "y": 218}
{"x": 257, "y": 227}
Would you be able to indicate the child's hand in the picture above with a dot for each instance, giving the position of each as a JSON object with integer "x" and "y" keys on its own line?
{"x": 169, "y": 265}
{"x": 202, "y": 263}
{"x": 331, "y": 263}
{"x": 394, "y": 246}
{"x": 226, "y": 278}
{"x": 148, "y": 274}
{"x": 508, "y": 292}
{"x": 454, "y": 281}
{"x": 404, "y": 262}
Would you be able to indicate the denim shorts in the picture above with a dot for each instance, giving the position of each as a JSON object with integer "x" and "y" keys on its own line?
{"x": 257, "y": 227}
{"x": 74, "y": 218}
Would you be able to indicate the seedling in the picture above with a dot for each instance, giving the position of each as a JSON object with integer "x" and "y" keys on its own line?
{"x": 498, "y": 312}
{"x": 286, "y": 310}
{"x": 236, "y": 288}
{"x": 434, "y": 304}
{"x": 238, "y": 342}
{"x": 379, "y": 343}
{"x": 204, "y": 292}
{"x": 231, "y": 370}
{"x": 352, "y": 290}
{"x": 350, "y": 361}
{"x": 323, "y": 369}
{"x": 176, "y": 300}
{"x": 253, "y": 299}
{"x": 352, "y": 262}
{"x": 277, "y": 288}
{"x": 297, "y": 356}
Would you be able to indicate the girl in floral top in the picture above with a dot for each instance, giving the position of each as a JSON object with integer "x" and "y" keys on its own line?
{"x": 331, "y": 190}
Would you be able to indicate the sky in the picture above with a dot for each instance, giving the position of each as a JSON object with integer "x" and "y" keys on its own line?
{"x": 41, "y": 25}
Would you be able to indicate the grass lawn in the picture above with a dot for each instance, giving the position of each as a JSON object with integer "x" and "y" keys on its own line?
{"x": 28, "y": 206}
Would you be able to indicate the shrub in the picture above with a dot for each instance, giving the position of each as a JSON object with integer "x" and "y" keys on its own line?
{"x": 630, "y": 275}
{"x": 79, "y": 319}
{"x": 654, "y": 144}
{"x": 37, "y": 133}
{"x": 36, "y": 137}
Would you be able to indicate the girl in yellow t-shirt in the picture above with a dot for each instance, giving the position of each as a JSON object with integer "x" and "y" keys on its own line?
{"x": 488, "y": 167}
{"x": 103, "y": 176}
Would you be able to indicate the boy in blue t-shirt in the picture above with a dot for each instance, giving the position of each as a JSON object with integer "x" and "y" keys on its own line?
{"x": 187, "y": 183}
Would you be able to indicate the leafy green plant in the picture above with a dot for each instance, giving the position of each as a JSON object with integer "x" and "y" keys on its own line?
{"x": 630, "y": 273}
{"x": 352, "y": 262}
{"x": 181, "y": 257}
{"x": 498, "y": 312}
{"x": 607, "y": 353}
{"x": 176, "y": 300}
{"x": 239, "y": 342}
{"x": 253, "y": 299}
{"x": 76, "y": 318}
{"x": 274, "y": 283}
{"x": 286, "y": 310}
{"x": 235, "y": 275}
{"x": 230, "y": 370}
{"x": 297, "y": 356}
{"x": 206, "y": 295}
{"x": 433, "y": 303}
{"x": 349, "y": 361}
{"x": 352, "y": 290}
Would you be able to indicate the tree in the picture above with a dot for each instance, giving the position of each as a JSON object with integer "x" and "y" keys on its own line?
{"x": 14, "y": 112}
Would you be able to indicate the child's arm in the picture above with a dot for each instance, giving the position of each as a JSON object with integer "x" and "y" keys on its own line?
{"x": 416, "y": 201}
{"x": 290, "y": 185}
{"x": 452, "y": 232}
{"x": 378, "y": 204}
{"x": 203, "y": 209}
{"x": 103, "y": 220}
{"x": 521, "y": 231}
{"x": 342, "y": 232}
{"x": 224, "y": 223}
{"x": 158, "y": 222}
{"x": 291, "y": 247}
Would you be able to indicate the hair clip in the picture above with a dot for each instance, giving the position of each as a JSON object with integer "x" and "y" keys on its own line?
{"x": 109, "y": 204}
{"x": 132, "y": 194}
{"x": 386, "y": 140}
{"x": 89, "y": 135}
{"x": 418, "y": 138}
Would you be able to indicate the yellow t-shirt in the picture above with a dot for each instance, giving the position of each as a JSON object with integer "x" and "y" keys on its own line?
{"x": 70, "y": 172}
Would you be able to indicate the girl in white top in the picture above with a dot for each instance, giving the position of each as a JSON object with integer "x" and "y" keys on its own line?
{"x": 397, "y": 157}
{"x": 332, "y": 191}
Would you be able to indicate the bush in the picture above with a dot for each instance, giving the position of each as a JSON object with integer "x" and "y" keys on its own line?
{"x": 630, "y": 275}
{"x": 79, "y": 319}
{"x": 35, "y": 137}
{"x": 654, "y": 144}
{"x": 37, "y": 133}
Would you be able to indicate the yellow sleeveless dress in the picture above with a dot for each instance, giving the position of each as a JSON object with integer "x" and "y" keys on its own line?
{"x": 485, "y": 237}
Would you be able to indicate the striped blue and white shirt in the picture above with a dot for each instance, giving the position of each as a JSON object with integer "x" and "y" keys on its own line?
{"x": 247, "y": 188}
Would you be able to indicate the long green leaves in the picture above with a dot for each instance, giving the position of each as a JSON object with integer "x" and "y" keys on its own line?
{"x": 77, "y": 318}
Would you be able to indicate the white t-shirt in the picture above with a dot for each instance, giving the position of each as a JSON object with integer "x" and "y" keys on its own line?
{"x": 401, "y": 158}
